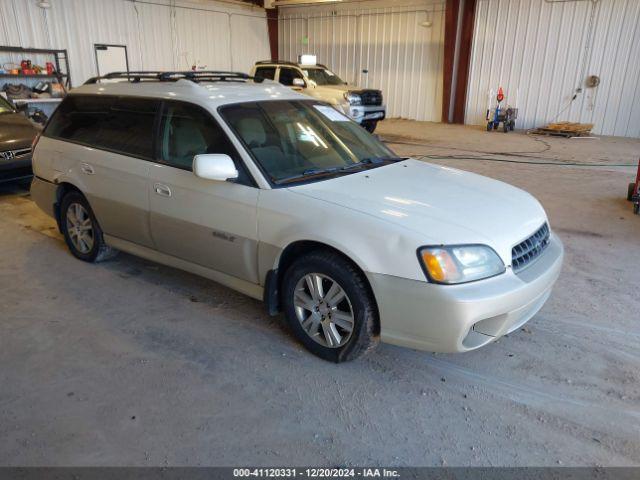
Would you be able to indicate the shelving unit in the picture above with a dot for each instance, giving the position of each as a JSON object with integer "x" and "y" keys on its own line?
{"x": 59, "y": 59}
{"x": 58, "y": 56}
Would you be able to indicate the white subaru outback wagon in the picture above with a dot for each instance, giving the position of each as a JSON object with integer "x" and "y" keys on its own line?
{"x": 285, "y": 199}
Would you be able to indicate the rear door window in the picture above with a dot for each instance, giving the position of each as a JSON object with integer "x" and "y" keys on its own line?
{"x": 128, "y": 127}
{"x": 268, "y": 73}
{"x": 120, "y": 124}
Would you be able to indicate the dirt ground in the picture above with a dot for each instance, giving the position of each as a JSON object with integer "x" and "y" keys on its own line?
{"x": 132, "y": 363}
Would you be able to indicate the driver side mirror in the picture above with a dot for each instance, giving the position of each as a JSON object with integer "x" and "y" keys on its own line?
{"x": 214, "y": 166}
{"x": 298, "y": 82}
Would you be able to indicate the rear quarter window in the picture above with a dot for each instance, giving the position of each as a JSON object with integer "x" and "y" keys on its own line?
{"x": 120, "y": 124}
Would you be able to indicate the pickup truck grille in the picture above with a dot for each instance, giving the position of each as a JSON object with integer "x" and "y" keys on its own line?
{"x": 527, "y": 251}
{"x": 371, "y": 97}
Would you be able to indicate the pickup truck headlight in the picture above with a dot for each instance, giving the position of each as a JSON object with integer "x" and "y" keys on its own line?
{"x": 460, "y": 263}
{"x": 353, "y": 98}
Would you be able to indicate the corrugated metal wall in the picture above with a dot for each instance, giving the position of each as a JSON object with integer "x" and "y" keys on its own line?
{"x": 544, "y": 51}
{"x": 403, "y": 58}
{"x": 159, "y": 34}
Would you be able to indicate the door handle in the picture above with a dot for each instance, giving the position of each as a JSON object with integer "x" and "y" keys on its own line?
{"x": 161, "y": 189}
{"x": 87, "y": 169}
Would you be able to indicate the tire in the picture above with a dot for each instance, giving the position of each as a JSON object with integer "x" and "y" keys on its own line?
{"x": 81, "y": 230}
{"x": 630, "y": 191}
{"x": 505, "y": 127}
{"x": 370, "y": 126}
{"x": 636, "y": 208}
{"x": 355, "y": 310}
{"x": 489, "y": 126}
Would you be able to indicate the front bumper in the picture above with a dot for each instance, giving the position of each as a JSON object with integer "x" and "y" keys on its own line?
{"x": 459, "y": 318}
{"x": 362, "y": 113}
{"x": 15, "y": 169}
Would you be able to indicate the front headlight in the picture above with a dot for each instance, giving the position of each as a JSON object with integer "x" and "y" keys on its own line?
{"x": 353, "y": 98}
{"x": 460, "y": 263}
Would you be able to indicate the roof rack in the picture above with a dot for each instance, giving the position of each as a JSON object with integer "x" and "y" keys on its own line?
{"x": 170, "y": 76}
{"x": 284, "y": 62}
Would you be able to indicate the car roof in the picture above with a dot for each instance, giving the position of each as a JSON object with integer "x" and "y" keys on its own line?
{"x": 212, "y": 93}
{"x": 266, "y": 63}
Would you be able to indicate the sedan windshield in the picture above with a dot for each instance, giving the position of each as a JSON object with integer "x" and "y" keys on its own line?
{"x": 296, "y": 140}
{"x": 5, "y": 106}
{"x": 323, "y": 76}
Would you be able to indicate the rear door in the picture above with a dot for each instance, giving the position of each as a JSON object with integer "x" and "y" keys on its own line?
{"x": 109, "y": 142}
{"x": 209, "y": 223}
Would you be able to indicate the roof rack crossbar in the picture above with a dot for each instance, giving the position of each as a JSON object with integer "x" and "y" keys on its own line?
{"x": 173, "y": 76}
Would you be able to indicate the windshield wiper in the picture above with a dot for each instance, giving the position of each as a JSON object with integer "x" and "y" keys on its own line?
{"x": 312, "y": 172}
{"x": 317, "y": 172}
{"x": 373, "y": 161}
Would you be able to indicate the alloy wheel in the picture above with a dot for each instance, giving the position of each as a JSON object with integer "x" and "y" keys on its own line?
{"x": 80, "y": 228}
{"x": 324, "y": 310}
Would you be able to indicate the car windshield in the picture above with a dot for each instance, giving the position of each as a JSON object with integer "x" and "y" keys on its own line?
{"x": 300, "y": 140}
{"x": 323, "y": 76}
{"x": 5, "y": 106}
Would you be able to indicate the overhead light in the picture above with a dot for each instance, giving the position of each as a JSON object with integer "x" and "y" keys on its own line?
{"x": 426, "y": 23}
{"x": 44, "y": 4}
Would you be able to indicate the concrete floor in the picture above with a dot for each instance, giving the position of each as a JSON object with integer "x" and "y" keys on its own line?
{"x": 132, "y": 363}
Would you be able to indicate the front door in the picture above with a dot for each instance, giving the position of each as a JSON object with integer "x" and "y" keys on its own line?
{"x": 209, "y": 223}
{"x": 287, "y": 75}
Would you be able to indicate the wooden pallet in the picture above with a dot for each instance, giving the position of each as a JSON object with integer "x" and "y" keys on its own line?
{"x": 565, "y": 129}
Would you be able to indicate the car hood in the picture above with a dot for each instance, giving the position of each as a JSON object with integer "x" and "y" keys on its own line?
{"x": 442, "y": 205}
{"x": 16, "y": 131}
{"x": 335, "y": 88}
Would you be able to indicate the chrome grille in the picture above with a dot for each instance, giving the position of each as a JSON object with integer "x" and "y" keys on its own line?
{"x": 371, "y": 97}
{"x": 12, "y": 154}
{"x": 526, "y": 252}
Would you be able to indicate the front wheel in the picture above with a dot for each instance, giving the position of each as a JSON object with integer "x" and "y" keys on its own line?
{"x": 370, "y": 125}
{"x": 631, "y": 191}
{"x": 329, "y": 307}
{"x": 81, "y": 230}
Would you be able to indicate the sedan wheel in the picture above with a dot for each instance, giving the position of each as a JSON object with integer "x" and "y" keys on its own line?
{"x": 80, "y": 228}
{"x": 324, "y": 310}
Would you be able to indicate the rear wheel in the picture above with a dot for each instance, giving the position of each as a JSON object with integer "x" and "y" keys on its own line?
{"x": 81, "y": 230}
{"x": 329, "y": 307}
{"x": 630, "y": 191}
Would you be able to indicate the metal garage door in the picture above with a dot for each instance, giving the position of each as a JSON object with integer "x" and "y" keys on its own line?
{"x": 400, "y": 46}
